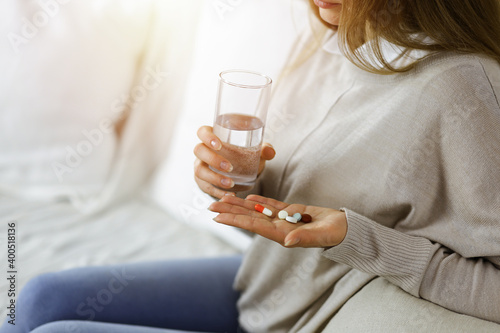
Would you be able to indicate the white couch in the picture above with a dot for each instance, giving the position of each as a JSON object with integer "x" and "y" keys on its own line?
{"x": 83, "y": 194}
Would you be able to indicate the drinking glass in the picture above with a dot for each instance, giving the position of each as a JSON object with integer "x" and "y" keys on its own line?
{"x": 239, "y": 121}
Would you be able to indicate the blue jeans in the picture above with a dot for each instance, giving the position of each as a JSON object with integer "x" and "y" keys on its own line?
{"x": 193, "y": 295}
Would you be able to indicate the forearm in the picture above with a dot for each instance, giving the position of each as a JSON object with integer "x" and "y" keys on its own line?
{"x": 465, "y": 285}
{"x": 376, "y": 249}
{"x": 423, "y": 269}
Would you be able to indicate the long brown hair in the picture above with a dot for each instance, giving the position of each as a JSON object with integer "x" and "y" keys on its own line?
{"x": 464, "y": 26}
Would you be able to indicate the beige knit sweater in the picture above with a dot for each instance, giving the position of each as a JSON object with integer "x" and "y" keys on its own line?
{"x": 414, "y": 159}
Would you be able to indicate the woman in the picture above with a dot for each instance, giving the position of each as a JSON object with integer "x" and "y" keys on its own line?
{"x": 411, "y": 157}
{"x": 393, "y": 149}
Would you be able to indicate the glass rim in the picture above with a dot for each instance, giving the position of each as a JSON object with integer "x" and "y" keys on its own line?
{"x": 241, "y": 85}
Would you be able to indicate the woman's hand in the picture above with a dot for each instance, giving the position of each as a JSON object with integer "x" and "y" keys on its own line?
{"x": 206, "y": 155}
{"x": 328, "y": 227}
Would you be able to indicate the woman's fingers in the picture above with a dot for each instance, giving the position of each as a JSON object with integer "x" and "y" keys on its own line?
{"x": 278, "y": 205}
{"x": 207, "y": 136}
{"x": 224, "y": 207}
{"x": 206, "y": 179}
{"x": 203, "y": 172}
{"x": 238, "y": 212}
{"x": 207, "y": 156}
{"x": 242, "y": 213}
{"x": 225, "y": 203}
{"x": 228, "y": 209}
{"x": 261, "y": 226}
{"x": 211, "y": 190}
{"x": 267, "y": 153}
{"x": 210, "y": 157}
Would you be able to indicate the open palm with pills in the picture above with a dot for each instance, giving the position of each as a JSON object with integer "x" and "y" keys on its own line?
{"x": 328, "y": 227}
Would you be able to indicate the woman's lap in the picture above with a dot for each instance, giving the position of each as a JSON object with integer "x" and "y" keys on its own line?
{"x": 194, "y": 294}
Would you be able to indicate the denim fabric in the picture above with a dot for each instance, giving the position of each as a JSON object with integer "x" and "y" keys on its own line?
{"x": 178, "y": 295}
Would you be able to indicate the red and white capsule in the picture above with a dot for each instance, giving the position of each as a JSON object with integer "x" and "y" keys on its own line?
{"x": 263, "y": 210}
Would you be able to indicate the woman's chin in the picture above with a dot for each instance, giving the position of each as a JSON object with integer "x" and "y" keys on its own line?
{"x": 332, "y": 18}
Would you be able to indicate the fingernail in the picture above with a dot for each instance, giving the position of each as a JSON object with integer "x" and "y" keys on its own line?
{"x": 292, "y": 242}
{"x": 215, "y": 144}
{"x": 227, "y": 182}
{"x": 226, "y": 166}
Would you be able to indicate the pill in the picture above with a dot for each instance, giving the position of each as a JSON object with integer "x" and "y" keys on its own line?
{"x": 306, "y": 218}
{"x": 297, "y": 216}
{"x": 263, "y": 210}
{"x": 282, "y": 214}
{"x": 291, "y": 219}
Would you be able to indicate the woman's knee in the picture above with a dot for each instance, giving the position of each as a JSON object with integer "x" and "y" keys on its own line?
{"x": 42, "y": 300}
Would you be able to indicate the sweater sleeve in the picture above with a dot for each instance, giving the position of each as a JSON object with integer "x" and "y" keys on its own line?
{"x": 424, "y": 269}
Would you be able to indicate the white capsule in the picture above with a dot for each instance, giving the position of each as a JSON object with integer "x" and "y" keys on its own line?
{"x": 282, "y": 214}
{"x": 291, "y": 219}
{"x": 267, "y": 212}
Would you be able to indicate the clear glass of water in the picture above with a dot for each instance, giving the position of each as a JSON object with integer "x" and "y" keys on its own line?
{"x": 239, "y": 121}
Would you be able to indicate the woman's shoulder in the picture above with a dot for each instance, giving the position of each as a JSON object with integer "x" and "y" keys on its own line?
{"x": 462, "y": 92}
{"x": 469, "y": 68}
{"x": 452, "y": 76}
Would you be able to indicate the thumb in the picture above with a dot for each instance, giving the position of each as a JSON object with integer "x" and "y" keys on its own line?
{"x": 291, "y": 240}
{"x": 267, "y": 152}
{"x": 304, "y": 237}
